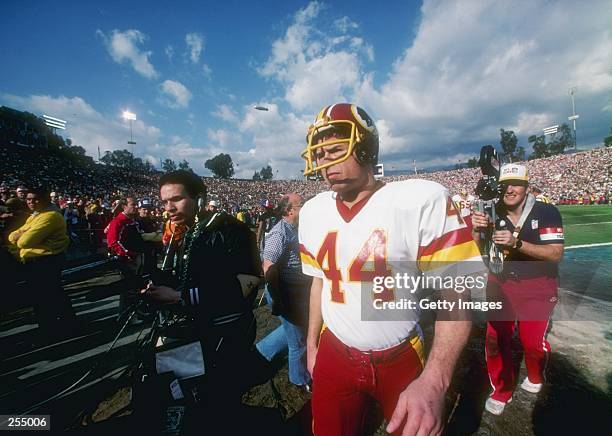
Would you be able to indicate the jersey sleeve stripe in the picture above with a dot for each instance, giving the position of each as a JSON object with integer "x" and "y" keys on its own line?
{"x": 447, "y": 240}
{"x": 308, "y": 258}
{"x": 461, "y": 252}
{"x": 551, "y": 230}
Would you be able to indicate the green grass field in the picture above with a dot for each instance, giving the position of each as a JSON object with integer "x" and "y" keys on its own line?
{"x": 587, "y": 224}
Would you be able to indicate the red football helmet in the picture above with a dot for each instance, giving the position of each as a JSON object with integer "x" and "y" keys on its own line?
{"x": 348, "y": 122}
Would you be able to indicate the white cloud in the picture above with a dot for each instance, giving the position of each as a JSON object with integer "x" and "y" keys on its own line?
{"x": 207, "y": 71}
{"x": 226, "y": 113}
{"x": 175, "y": 94}
{"x": 195, "y": 45}
{"x": 86, "y": 126}
{"x": 312, "y": 87}
{"x": 345, "y": 24}
{"x": 224, "y": 138}
{"x": 277, "y": 139}
{"x": 169, "y": 51}
{"x": 124, "y": 47}
{"x": 317, "y": 67}
{"x": 531, "y": 123}
{"x": 475, "y": 67}
{"x": 471, "y": 69}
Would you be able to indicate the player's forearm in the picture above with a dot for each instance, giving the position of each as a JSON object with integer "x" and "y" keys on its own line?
{"x": 315, "y": 317}
{"x": 449, "y": 340}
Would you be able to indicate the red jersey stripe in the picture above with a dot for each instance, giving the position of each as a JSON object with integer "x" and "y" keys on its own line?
{"x": 551, "y": 230}
{"x": 447, "y": 240}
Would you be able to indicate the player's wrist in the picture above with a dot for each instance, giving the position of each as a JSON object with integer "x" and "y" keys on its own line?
{"x": 312, "y": 344}
{"x": 435, "y": 379}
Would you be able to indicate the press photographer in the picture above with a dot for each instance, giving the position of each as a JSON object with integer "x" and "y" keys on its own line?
{"x": 528, "y": 236}
{"x": 218, "y": 275}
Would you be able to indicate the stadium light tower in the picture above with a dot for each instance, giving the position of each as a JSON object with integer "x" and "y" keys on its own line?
{"x": 551, "y": 130}
{"x": 131, "y": 117}
{"x": 54, "y": 123}
{"x": 574, "y": 116}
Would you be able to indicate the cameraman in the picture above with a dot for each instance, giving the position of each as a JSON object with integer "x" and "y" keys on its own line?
{"x": 219, "y": 273}
{"x": 532, "y": 239}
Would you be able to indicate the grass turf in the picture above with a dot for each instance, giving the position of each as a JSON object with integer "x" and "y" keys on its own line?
{"x": 587, "y": 224}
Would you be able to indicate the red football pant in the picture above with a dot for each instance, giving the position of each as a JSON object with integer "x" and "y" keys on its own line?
{"x": 531, "y": 302}
{"x": 345, "y": 381}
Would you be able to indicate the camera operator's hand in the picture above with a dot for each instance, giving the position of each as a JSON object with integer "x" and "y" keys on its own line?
{"x": 161, "y": 294}
{"x": 504, "y": 238}
{"x": 480, "y": 221}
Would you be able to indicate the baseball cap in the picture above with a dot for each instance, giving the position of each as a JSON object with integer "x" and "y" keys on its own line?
{"x": 513, "y": 172}
{"x": 144, "y": 203}
{"x": 213, "y": 203}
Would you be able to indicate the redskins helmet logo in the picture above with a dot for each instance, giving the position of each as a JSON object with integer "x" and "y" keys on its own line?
{"x": 364, "y": 119}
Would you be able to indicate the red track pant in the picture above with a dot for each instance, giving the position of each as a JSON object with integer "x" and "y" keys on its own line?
{"x": 531, "y": 302}
{"x": 345, "y": 381}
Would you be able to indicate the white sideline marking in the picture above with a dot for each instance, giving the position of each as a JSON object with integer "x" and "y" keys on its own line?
{"x": 601, "y": 244}
{"x": 589, "y": 224}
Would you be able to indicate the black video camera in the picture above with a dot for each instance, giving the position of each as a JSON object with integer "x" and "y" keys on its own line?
{"x": 488, "y": 187}
{"x": 489, "y": 192}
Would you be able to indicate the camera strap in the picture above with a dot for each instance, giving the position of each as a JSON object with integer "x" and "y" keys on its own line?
{"x": 529, "y": 203}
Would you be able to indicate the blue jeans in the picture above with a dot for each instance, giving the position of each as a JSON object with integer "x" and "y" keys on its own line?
{"x": 287, "y": 337}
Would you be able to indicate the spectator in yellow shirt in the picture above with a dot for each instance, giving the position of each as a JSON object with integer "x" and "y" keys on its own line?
{"x": 40, "y": 244}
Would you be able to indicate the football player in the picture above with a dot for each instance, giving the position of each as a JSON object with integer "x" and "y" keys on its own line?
{"x": 348, "y": 237}
{"x": 463, "y": 202}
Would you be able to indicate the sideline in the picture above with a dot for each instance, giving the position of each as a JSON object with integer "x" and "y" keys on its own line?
{"x": 588, "y": 224}
{"x": 601, "y": 244}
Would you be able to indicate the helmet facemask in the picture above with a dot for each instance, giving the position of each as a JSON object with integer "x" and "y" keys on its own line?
{"x": 345, "y": 132}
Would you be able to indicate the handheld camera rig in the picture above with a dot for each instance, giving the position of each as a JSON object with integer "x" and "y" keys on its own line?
{"x": 488, "y": 191}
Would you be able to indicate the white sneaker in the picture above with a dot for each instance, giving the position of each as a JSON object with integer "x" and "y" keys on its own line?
{"x": 534, "y": 388}
{"x": 495, "y": 407}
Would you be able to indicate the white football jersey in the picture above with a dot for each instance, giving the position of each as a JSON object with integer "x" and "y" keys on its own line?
{"x": 402, "y": 227}
{"x": 464, "y": 205}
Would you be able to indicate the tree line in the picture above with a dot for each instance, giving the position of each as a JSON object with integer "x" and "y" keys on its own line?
{"x": 557, "y": 143}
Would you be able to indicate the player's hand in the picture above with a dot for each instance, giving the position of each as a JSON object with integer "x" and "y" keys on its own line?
{"x": 504, "y": 238}
{"x": 420, "y": 406}
{"x": 480, "y": 220}
{"x": 161, "y": 294}
{"x": 311, "y": 358}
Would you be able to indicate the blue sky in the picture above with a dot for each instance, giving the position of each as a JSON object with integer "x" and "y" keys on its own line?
{"x": 439, "y": 77}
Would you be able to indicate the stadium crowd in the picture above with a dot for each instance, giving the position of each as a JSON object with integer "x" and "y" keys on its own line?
{"x": 87, "y": 194}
